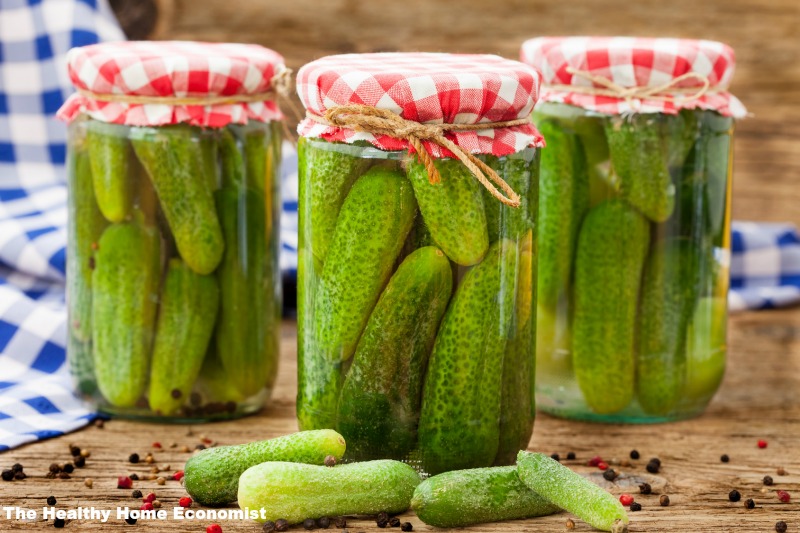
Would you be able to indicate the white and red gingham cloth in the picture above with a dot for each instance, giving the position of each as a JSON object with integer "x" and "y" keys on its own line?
{"x": 426, "y": 88}
{"x": 634, "y": 62}
{"x": 173, "y": 68}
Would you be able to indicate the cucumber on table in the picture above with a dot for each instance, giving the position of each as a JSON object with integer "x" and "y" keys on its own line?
{"x": 110, "y": 158}
{"x": 460, "y": 419}
{"x": 295, "y": 492}
{"x": 612, "y": 246}
{"x": 212, "y": 476}
{"x": 189, "y": 305}
{"x": 480, "y": 495}
{"x": 380, "y": 399}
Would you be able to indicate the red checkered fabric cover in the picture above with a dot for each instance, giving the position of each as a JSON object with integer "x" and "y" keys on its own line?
{"x": 634, "y": 62}
{"x": 425, "y": 88}
{"x": 172, "y": 68}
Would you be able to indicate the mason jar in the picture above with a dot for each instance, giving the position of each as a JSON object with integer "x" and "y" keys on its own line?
{"x": 415, "y": 316}
{"x": 634, "y": 227}
{"x": 173, "y": 286}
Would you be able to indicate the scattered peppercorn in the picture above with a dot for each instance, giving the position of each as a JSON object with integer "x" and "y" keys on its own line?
{"x": 16, "y": 467}
{"x": 124, "y": 482}
{"x": 59, "y": 523}
{"x": 645, "y": 488}
{"x": 136, "y": 494}
{"x": 89, "y": 482}
{"x": 8, "y": 475}
{"x": 768, "y": 480}
{"x": 80, "y": 462}
{"x": 149, "y": 459}
{"x": 134, "y": 477}
{"x": 625, "y": 499}
{"x": 383, "y": 516}
{"x": 133, "y": 458}
{"x": 156, "y": 445}
{"x": 610, "y": 474}
{"x": 749, "y": 503}
{"x": 22, "y": 475}
{"x": 734, "y": 495}
{"x": 161, "y": 480}
{"x": 724, "y": 458}
{"x": 570, "y": 524}
{"x": 130, "y": 521}
{"x": 634, "y": 454}
{"x": 268, "y": 527}
{"x": 74, "y": 451}
{"x": 784, "y": 496}
{"x": 177, "y": 476}
{"x": 157, "y": 504}
{"x": 762, "y": 443}
{"x": 594, "y": 461}
{"x": 781, "y": 527}
{"x": 664, "y": 500}
{"x": 324, "y": 522}
{"x": 216, "y": 528}
{"x": 281, "y": 525}
{"x": 55, "y": 468}
{"x": 340, "y": 522}
{"x": 85, "y": 454}
{"x": 602, "y": 465}
{"x": 555, "y": 457}
{"x": 61, "y": 475}
{"x": 99, "y": 423}
{"x": 571, "y": 456}
{"x": 330, "y": 460}
{"x": 146, "y": 506}
{"x": 68, "y": 468}
{"x": 185, "y": 502}
{"x": 655, "y": 460}
{"x": 150, "y": 496}
{"x": 185, "y": 449}
{"x": 51, "y": 500}
{"x": 653, "y": 467}
{"x": 394, "y": 521}
{"x": 382, "y": 523}
{"x": 782, "y": 471}
{"x": 200, "y": 447}
{"x": 309, "y": 524}
{"x": 636, "y": 506}
{"x": 406, "y": 526}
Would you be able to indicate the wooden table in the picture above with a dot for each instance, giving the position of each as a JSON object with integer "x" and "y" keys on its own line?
{"x": 758, "y": 400}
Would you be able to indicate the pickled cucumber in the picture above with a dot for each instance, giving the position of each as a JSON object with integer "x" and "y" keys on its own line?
{"x": 245, "y": 334}
{"x": 612, "y": 246}
{"x": 706, "y": 346}
{"x": 670, "y": 288}
{"x": 460, "y": 420}
{"x": 465, "y": 497}
{"x": 638, "y": 159}
{"x": 453, "y": 209}
{"x": 678, "y": 133}
{"x": 296, "y": 492}
{"x": 212, "y": 476}
{"x": 189, "y": 304}
{"x": 380, "y": 399}
{"x": 109, "y": 155}
{"x": 502, "y": 220}
{"x": 374, "y": 222}
{"x": 174, "y": 160}
{"x": 124, "y": 295}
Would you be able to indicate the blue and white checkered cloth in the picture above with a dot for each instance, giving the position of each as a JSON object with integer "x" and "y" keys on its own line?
{"x": 36, "y": 399}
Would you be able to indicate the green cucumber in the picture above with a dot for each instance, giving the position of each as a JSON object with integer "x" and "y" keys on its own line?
{"x": 246, "y": 338}
{"x": 460, "y": 420}
{"x": 612, "y": 246}
{"x": 373, "y": 224}
{"x": 480, "y": 495}
{"x": 380, "y": 399}
{"x": 453, "y": 209}
{"x": 670, "y": 287}
{"x": 124, "y": 302}
{"x": 189, "y": 304}
{"x": 706, "y": 347}
{"x": 328, "y": 172}
{"x": 173, "y": 158}
{"x": 678, "y": 133}
{"x": 81, "y": 365}
{"x": 295, "y": 492}
{"x": 213, "y": 384}
{"x": 570, "y": 491}
{"x": 564, "y": 201}
{"x": 502, "y": 220}
{"x": 638, "y": 159}
{"x": 109, "y": 156}
{"x": 212, "y": 476}
{"x": 231, "y": 160}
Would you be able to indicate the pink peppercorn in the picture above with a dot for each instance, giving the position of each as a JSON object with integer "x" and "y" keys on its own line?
{"x": 156, "y": 445}
{"x": 124, "y": 482}
{"x": 214, "y": 528}
{"x": 150, "y": 498}
{"x": 177, "y": 476}
{"x": 185, "y": 502}
{"x": 626, "y": 499}
{"x": 146, "y": 506}
{"x": 602, "y": 465}
{"x": 762, "y": 444}
{"x": 784, "y": 496}
{"x": 596, "y": 460}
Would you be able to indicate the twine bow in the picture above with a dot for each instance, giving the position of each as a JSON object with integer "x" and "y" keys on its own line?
{"x": 377, "y": 121}
{"x": 667, "y": 92}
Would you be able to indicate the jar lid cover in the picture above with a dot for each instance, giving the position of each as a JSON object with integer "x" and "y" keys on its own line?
{"x": 423, "y": 88}
{"x": 153, "y": 83}
{"x": 632, "y": 74}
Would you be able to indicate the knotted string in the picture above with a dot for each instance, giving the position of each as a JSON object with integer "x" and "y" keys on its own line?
{"x": 377, "y": 121}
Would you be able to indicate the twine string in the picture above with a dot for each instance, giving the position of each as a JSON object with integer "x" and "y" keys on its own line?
{"x": 377, "y": 121}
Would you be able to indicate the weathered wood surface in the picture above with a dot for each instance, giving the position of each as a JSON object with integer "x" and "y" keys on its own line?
{"x": 765, "y": 35}
{"x": 758, "y": 400}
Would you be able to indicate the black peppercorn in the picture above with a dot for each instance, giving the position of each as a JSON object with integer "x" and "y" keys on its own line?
{"x": 749, "y": 503}
{"x": 571, "y": 456}
{"x": 634, "y": 454}
{"x": 309, "y": 523}
{"x": 136, "y": 494}
{"x": 330, "y": 460}
{"x": 61, "y": 475}
{"x": 281, "y": 525}
{"x": 406, "y": 527}
{"x": 134, "y": 477}
{"x": 645, "y": 488}
{"x": 80, "y": 462}
{"x": 394, "y": 521}
{"x": 340, "y": 522}
{"x": 767, "y": 480}
{"x": 68, "y": 468}
{"x": 324, "y": 522}
{"x": 382, "y": 516}
{"x": 130, "y": 521}
{"x": 8, "y": 475}
{"x": 269, "y": 525}
{"x": 653, "y": 467}
{"x": 16, "y": 467}
{"x": 636, "y": 506}
{"x": 724, "y": 458}
{"x": 51, "y": 500}
{"x": 133, "y": 458}
{"x": 203, "y": 447}
{"x": 74, "y": 450}
{"x": 664, "y": 500}
{"x": 610, "y": 474}
{"x": 58, "y": 523}
{"x": 734, "y": 495}
{"x": 382, "y": 523}
{"x": 655, "y": 460}
{"x": 55, "y": 468}
{"x": 175, "y": 393}
{"x": 555, "y": 457}
{"x": 20, "y": 475}
{"x": 781, "y": 527}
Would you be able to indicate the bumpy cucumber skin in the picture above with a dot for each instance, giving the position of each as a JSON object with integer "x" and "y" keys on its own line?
{"x": 706, "y": 346}
{"x": 670, "y": 287}
{"x": 246, "y": 334}
{"x": 380, "y": 399}
{"x": 189, "y": 304}
{"x": 564, "y": 201}
{"x": 296, "y": 492}
{"x": 679, "y": 133}
{"x": 328, "y": 176}
{"x": 212, "y": 476}
{"x": 109, "y": 154}
{"x": 638, "y": 159}
{"x": 569, "y": 491}
{"x": 612, "y": 246}
{"x": 231, "y": 160}
{"x": 213, "y": 384}
{"x": 453, "y": 209}
{"x": 124, "y": 295}
{"x": 477, "y": 496}
{"x": 519, "y": 362}
{"x": 459, "y": 423}
{"x": 374, "y": 222}
{"x": 502, "y": 220}
{"x": 173, "y": 158}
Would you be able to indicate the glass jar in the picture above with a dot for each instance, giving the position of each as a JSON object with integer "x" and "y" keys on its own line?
{"x": 415, "y": 315}
{"x": 173, "y": 284}
{"x": 634, "y": 225}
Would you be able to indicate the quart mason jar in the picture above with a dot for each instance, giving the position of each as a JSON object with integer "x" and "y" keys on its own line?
{"x": 634, "y": 239}
{"x": 173, "y": 286}
{"x": 415, "y": 316}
